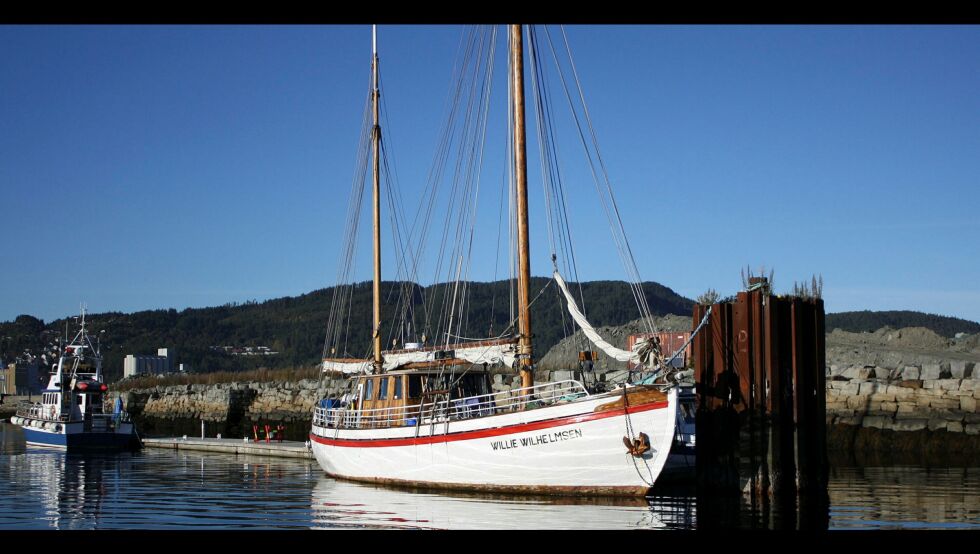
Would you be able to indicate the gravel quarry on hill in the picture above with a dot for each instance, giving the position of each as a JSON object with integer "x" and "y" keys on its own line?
{"x": 886, "y": 347}
{"x": 896, "y": 348}
{"x": 564, "y": 355}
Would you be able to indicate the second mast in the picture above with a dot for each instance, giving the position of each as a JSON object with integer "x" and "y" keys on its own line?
{"x": 525, "y": 358}
{"x": 376, "y": 139}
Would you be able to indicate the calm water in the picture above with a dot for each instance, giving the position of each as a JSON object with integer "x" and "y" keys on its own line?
{"x": 164, "y": 489}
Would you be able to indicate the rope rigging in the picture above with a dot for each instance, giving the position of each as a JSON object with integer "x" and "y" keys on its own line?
{"x": 341, "y": 302}
{"x": 556, "y": 212}
{"x": 450, "y": 197}
{"x": 602, "y": 182}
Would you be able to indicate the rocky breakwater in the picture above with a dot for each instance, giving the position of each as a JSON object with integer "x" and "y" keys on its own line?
{"x": 231, "y": 409}
{"x": 290, "y": 401}
{"x": 933, "y": 396}
{"x": 903, "y": 391}
{"x": 930, "y": 408}
{"x": 201, "y": 402}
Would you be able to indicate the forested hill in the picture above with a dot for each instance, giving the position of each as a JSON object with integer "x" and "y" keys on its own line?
{"x": 295, "y": 326}
{"x": 857, "y": 322}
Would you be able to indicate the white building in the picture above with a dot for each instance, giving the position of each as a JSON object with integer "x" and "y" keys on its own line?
{"x": 162, "y": 363}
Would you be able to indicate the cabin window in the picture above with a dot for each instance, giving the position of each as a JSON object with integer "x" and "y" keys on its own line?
{"x": 369, "y": 389}
{"x": 398, "y": 388}
{"x": 383, "y": 388}
{"x": 414, "y": 386}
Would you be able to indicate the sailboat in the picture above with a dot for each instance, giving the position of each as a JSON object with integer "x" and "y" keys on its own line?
{"x": 427, "y": 415}
{"x": 71, "y": 414}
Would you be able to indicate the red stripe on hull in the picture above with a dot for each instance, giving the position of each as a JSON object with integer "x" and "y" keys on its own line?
{"x": 483, "y": 433}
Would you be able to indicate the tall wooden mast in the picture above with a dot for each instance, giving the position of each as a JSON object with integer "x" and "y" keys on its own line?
{"x": 525, "y": 354}
{"x": 376, "y": 139}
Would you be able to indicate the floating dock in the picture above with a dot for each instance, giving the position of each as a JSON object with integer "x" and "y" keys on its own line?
{"x": 284, "y": 449}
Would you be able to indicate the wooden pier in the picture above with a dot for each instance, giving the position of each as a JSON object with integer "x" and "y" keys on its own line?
{"x": 761, "y": 416}
{"x": 284, "y": 449}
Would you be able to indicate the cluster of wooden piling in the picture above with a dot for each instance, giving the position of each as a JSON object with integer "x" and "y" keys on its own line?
{"x": 761, "y": 424}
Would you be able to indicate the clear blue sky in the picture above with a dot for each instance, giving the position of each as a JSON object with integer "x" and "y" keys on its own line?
{"x": 151, "y": 167}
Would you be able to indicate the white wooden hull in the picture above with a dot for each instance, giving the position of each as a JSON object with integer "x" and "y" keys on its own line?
{"x": 562, "y": 449}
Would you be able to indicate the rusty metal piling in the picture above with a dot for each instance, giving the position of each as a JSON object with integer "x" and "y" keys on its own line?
{"x": 761, "y": 427}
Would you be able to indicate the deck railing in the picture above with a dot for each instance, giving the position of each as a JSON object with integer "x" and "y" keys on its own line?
{"x": 442, "y": 409}
{"x": 36, "y": 410}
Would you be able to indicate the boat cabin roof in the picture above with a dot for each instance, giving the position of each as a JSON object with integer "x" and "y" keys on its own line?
{"x": 431, "y": 370}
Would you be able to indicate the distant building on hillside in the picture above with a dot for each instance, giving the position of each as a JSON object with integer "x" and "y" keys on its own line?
{"x": 245, "y": 350}
{"x": 22, "y": 378}
{"x": 136, "y": 365}
{"x": 8, "y": 385}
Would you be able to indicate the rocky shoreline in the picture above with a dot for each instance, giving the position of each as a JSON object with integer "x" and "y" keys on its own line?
{"x": 911, "y": 399}
{"x": 231, "y": 409}
{"x": 907, "y": 380}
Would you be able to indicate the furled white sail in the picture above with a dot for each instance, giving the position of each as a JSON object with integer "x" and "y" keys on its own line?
{"x": 490, "y": 354}
{"x": 641, "y": 350}
{"x": 353, "y": 366}
{"x": 493, "y": 354}
{"x": 478, "y": 354}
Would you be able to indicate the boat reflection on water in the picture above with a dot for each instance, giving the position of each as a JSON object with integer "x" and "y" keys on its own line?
{"x": 355, "y": 505}
{"x": 12, "y": 440}
{"x": 42, "y": 488}
{"x": 66, "y": 490}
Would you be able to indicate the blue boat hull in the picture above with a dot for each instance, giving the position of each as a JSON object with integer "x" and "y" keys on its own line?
{"x": 81, "y": 441}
